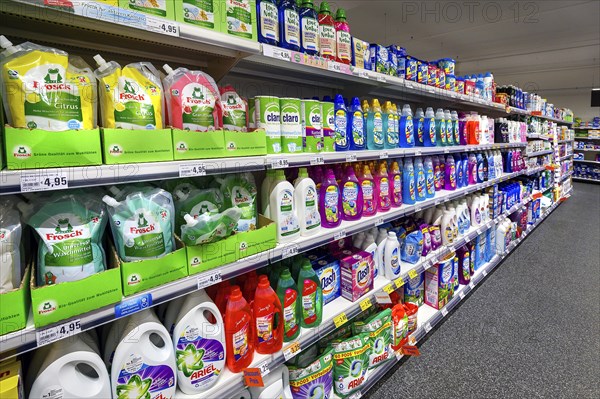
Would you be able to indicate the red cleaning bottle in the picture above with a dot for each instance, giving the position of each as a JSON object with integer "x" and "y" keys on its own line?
{"x": 222, "y": 296}
{"x": 343, "y": 40}
{"x": 239, "y": 332}
{"x": 327, "y": 36}
{"x": 268, "y": 316}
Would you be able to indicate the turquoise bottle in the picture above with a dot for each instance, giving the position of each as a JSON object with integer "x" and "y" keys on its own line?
{"x": 408, "y": 182}
{"x": 374, "y": 125}
{"x": 429, "y": 132}
{"x": 440, "y": 127}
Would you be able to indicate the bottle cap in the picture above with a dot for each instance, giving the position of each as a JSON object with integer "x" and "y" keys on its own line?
{"x": 324, "y": 9}
{"x": 340, "y": 14}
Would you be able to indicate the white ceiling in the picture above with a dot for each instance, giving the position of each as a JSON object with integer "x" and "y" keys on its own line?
{"x": 543, "y": 46}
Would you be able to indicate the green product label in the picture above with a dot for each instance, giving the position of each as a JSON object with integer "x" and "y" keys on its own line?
{"x": 57, "y": 105}
{"x": 136, "y": 114}
{"x": 199, "y": 12}
{"x": 134, "y": 105}
{"x": 198, "y": 105}
{"x": 154, "y": 7}
{"x": 239, "y": 18}
{"x": 146, "y": 246}
{"x": 143, "y": 236}
{"x": 75, "y": 252}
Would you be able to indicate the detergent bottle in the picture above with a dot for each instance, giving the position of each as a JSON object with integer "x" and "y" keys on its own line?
{"x": 268, "y": 22}
{"x": 239, "y": 332}
{"x": 327, "y": 34}
{"x": 265, "y": 192}
{"x": 472, "y": 163}
{"x": 375, "y": 132}
{"x": 369, "y": 193}
{"x": 406, "y": 128}
{"x": 392, "y": 264}
{"x": 420, "y": 179}
{"x": 250, "y": 284}
{"x": 449, "y": 128}
{"x": 455, "y": 127}
{"x": 429, "y": 178}
{"x": 330, "y": 201}
{"x": 268, "y": 318}
{"x": 389, "y": 133}
{"x": 408, "y": 182}
{"x": 282, "y": 208}
{"x": 356, "y": 122}
{"x": 440, "y": 127}
{"x": 382, "y": 186}
{"x": 310, "y": 305}
{"x": 276, "y": 385}
{"x": 305, "y": 203}
{"x": 198, "y": 343}
{"x": 450, "y": 174}
{"x": 342, "y": 141}
{"x": 418, "y": 123}
{"x": 343, "y": 38}
{"x": 352, "y": 196}
{"x": 289, "y": 25}
{"x": 309, "y": 28}
{"x": 395, "y": 178}
{"x": 462, "y": 128}
{"x": 465, "y": 170}
{"x": 437, "y": 178}
{"x": 429, "y": 128}
{"x": 459, "y": 170}
{"x": 480, "y": 176}
{"x": 289, "y": 297}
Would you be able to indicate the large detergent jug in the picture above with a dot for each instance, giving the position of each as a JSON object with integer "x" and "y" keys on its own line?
{"x": 409, "y": 195}
{"x": 429, "y": 178}
{"x": 449, "y": 128}
{"x": 341, "y": 139}
{"x": 440, "y": 127}
{"x": 268, "y": 317}
{"x": 418, "y": 123}
{"x": 352, "y": 196}
{"x": 306, "y": 203}
{"x": 276, "y": 385}
{"x": 420, "y": 179}
{"x": 367, "y": 186}
{"x": 69, "y": 368}
{"x": 283, "y": 210}
{"x": 239, "y": 331}
{"x": 310, "y": 305}
{"x": 406, "y": 128}
{"x": 375, "y": 132}
{"x": 144, "y": 361}
{"x": 382, "y": 186}
{"x": 389, "y": 126}
{"x": 288, "y": 296}
{"x": 356, "y": 124}
{"x": 330, "y": 201}
{"x": 429, "y": 128}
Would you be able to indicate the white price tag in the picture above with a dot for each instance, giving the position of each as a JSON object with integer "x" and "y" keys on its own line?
{"x": 381, "y": 78}
{"x": 418, "y": 209}
{"x": 478, "y": 231}
{"x": 339, "y": 235}
{"x": 264, "y": 368}
{"x": 192, "y": 169}
{"x": 351, "y": 157}
{"x": 56, "y": 333}
{"x": 276, "y": 52}
{"x": 409, "y": 85}
{"x": 383, "y": 155}
{"x": 444, "y": 312}
{"x": 436, "y": 202}
{"x": 334, "y": 66}
{"x": 318, "y": 160}
{"x": 44, "y": 180}
{"x": 427, "y": 328}
{"x": 163, "y": 26}
{"x": 280, "y": 163}
{"x": 471, "y": 285}
{"x": 431, "y": 89}
{"x": 208, "y": 279}
{"x": 418, "y": 153}
{"x": 378, "y": 222}
{"x": 355, "y": 395}
{"x": 289, "y": 250}
{"x": 461, "y": 294}
{"x": 485, "y": 273}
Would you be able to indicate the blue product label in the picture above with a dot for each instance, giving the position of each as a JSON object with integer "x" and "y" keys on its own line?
{"x": 329, "y": 274}
{"x": 358, "y": 128}
{"x": 408, "y": 130}
{"x": 133, "y": 305}
{"x": 420, "y": 184}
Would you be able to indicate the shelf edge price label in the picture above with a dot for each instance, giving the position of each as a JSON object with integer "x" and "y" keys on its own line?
{"x": 318, "y": 160}
{"x": 351, "y": 157}
{"x": 461, "y": 294}
{"x": 355, "y": 395}
{"x": 291, "y": 350}
{"x": 427, "y": 328}
{"x": 484, "y": 272}
{"x": 191, "y": 170}
{"x": 209, "y": 279}
{"x": 412, "y": 273}
{"x": 339, "y": 235}
{"x": 383, "y": 155}
{"x": 399, "y": 282}
{"x": 365, "y": 304}
{"x": 163, "y": 26}
{"x": 379, "y": 222}
{"x": 280, "y": 163}
{"x": 381, "y": 78}
{"x": 56, "y": 333}
{"x": 289, "y": 250}
{"x": 388, "y": 289}
{"x": 411, "y": 339}
{"x": 264, "y": 368}
{"x": 44, "y": 180}
{"x": 444, "y": 312}
{"x": 340, "y": 320}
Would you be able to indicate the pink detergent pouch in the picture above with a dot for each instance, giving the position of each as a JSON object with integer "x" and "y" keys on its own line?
{"x": 193, "y": 100}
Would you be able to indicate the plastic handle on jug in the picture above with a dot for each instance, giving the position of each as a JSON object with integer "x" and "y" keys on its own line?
{"x": 7, "y": 46}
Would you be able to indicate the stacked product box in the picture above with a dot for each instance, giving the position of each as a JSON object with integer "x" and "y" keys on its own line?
{"x": 356, "y": 269}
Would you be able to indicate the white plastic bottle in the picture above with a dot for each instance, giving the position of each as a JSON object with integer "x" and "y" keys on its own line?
{"x": 171, "y": 313}
{"x": 380, "y": 252}
{"x": 392, "y": 257}
{"x": 369, "y": 245}
{"x": 69, "y": 368}
{"x": 475, "y": 212}
{"x": 485, "y": 214}
{"x": 282, "y": 209}
{"x": 447, "y": 228}
{"x": 265, "y": 190}
{"x": 428, "y": 215}
{"x": 144, "y": 359}
{"x": 306, "y": 204}
{"x": 199, "y": 343}
{"x": 484, "y": 127}
{"x": 358, "y": 239}
{"x": 276, "y": 385}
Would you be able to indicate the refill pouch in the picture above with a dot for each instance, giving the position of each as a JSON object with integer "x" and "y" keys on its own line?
{"x": 209, "y": 228}
{"x": 350, "y": 364}
{"x": 142, "y": 224}
{"x": 315, "y": 380}
{"x": 379, "y": 328}
{"x": 10, "y": 254}
{"x": 240, "y": 191}
{"x": 196, "y": 202}
{"x": 413, "y": 247}
{"x": 436, "y": 237}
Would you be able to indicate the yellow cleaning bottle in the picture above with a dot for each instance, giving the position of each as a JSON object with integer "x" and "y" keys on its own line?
{"x": 44, "y": 88}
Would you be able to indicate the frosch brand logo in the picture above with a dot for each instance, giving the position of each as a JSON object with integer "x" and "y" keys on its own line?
{"x": 115, "y": 150}
{"x": 47, "y": 307}
{"x": 22, "y": 151}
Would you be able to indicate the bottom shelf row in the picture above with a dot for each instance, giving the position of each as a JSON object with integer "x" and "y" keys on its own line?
{"x": 350, "y": 348}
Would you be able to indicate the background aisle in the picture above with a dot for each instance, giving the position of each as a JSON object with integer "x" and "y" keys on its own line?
{"x": 531, "y": 330}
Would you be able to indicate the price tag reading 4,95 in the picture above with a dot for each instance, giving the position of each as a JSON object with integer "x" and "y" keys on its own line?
{"x": 44, "y": 180}
{"x": 209, "y": 279}
{"x": 191, "y": 170}
{"x": 340, "y": 320}
{"x": 162, "y": 26}
{"x": 52, "y": 334}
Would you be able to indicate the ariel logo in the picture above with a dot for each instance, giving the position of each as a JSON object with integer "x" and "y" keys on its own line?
{"x": 356, "y": 368}
{"x": 197, "y": 94}
{"x": 135, "y": 388}
{"x": 63, "y": 226}
{"x": 53, "y": 76}
{"x": 128, "y": 88}
{"x": 142, "y": 222}
{"x": 190, "y": 359}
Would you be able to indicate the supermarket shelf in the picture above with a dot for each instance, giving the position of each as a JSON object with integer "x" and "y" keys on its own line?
{"x": 585, "y": 150}
{"x": 539, "y": 153}
{"x": 565, "y": 157}
{"x": 428, "y": 318}
{"x": 585, "y": 180}
{"x": 538, "y": 136}
{"x": 25, "y": 340}
{"x": 586, "y": 128}
{"x": 565, "y": 141}
{"x": 566, "y": 176}
{"x": 550, "y": 118}
{"x": 586, "y": 161}
{"x": 535, "y": 170}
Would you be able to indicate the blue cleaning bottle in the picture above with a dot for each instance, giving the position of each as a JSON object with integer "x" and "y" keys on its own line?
{"x": 375, "y": 132}
{"x": 429, "y": 178}
{"x": 309, "y": 28}
{"x": 268, "y": 22}
{"x": 390, "y": 133}
{"x": 429, "y": 138}
{"x": 340, "y": 120}
{"x": 465, "y": 169}
{"x": 480, "y": 86}
{"x": 480, "y": 175}
{"x": 485, "y": 167}
{"x": 420, "y": 179}
{"x": 406, "y": 129}
{"x": 508, "y": 162}
{"x": 418, "y": 123}
{"x": 491, "y": 166}
{"x": 356, "y": 125}
{"x": 289, "y": 25}
{"x": 440, "y": 127}
{"x": 409, "y": 196}
{"x": 449, "y": 128}
{"x": 459, "y": 170}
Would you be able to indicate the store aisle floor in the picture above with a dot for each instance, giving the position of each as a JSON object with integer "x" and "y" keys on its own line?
{"x": 530, "y": 330}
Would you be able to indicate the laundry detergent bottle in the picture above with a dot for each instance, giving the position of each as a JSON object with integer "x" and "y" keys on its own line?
{"x": 375, "y": 133}
{"x": 311, "y": 296}
{"x": 309, "y": 28}
{"x": 406, "y": 128}
{"x": 429, "y": 178}
{"x": 144, "y": 362}
{"x": 419, "y": 125}
{"x": 352, "y": 196}
{"x": 382, "y": 185}
{"x": 420, "y": 179}
{"x": 327, "y": 34}
{"x": 429, "y": 128}
{"x": 199, "y": 343}
{"x": 343, "y": 39}
{"x": 268, "y": 317}
{"x": 287, "y": 292}
{"x": 239, "y": 331}
{"x": 268, "y": 22}
{"x": 395, "y": 177}
{"x": 306, "y": 204}
{"x": 408, "y": 182}
{"x": 289, "y": 25}
{"x": 342, "y": 141}
{"x": 367, "y": 186}
{"x": 356, "y": 123}
{"x": 282, "y": 208}
{"x": 440, "y": 127}
{"x": 330, "y": 201}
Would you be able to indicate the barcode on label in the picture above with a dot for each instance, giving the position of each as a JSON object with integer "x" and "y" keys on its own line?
{"x": 44, "y": 180}
{"x": 280, "y": 163}
{"x": 351, "y": 157}
{"x": 318, "y": 160}
{"x": 339, "y": 235}
{"x": 52, "y": 334}
{"x": 209, "y": 279}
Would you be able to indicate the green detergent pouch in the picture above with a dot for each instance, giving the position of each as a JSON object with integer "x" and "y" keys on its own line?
{"x": 142, "y": 224}
{"x": 338, "y": 334}
{"x": 185, "y": 184}
{"x": 209, "y": 228}
{"x": 315, "y": 380}
{"x": 304, "y": 358}
{"x": 379, "y": 327}
{"x": 10, "y": 248}
{"x": 350, "y": 364}
{"x": 240, "y": 191}
{"x": 70, "y": 228}
{"x": 196, "y": 202}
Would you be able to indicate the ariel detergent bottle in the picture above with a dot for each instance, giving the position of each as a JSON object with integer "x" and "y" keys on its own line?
{"x": 406, "y": 128}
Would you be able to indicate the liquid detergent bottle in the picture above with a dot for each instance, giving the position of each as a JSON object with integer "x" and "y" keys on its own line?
{"x": 287, "y": 292}
{"x": 480, "y": 176}
{"x": 330, "y": 201}
{"x": 485, "y": 166}
{"x": 458, "y": 166}
{"x": 491, "y": 166}
{"x": 327, "y": 35}
{"x": 483, "y": 129}
{"x": 449, "y": 128}
{"x": 356, "y": 123}
{"x": 382, "y": 186}
{"x": 465, "y": 170}
{"x": 375, "y": 132}
{"x": 437, "y": 179}
{"x": 420, "y": 179}
{"x": 379, "y": 252}
{"x": 145, "y": 342}
{"x": 198, "y": 343}
{"x": 475, "y": 212}
{"x": 276, "y": 385}
{"x": 409, "y": 195}
{"x": 268, "y": 318}
{"x": 265, "y": 191}
{"x": 305, "y": 203}
{"x": 352, "y": 196}
{"x": 419, "y": 125}
{"x": 54, "y": 369}
{"x": 389, "y": 121}
{"x": 343, "y": 38}
{"x": 367, "y": 186}
{"x": 462, "y": 128}
{"x": 392, "y": 257}
{"x": 309, "y": 28}
{"x": 429, "y": 128}
{"x": 473, "y": 129}
{"x": 268, "y": 22}
{"x": 440, "y": 127}
{"x": 235, "y": 110}
{"x": 239, "y": 332}
{"x": 282, "y": 208}
{"x": 289, "y": 25}
{"x": 455, "y": 127}
{"x": 310, "y": 305}
{"x": 429, "y": 178}
{"x": 341, "y": 139}
{"x": 406, "y": 128}
{"x": 358, "y": 239}
{"x": 395, "y": 178}
{"x": 447, "y": 227}
{"x": 370, "y": 246}
{"x": 450, "y": 174}
{"x": 472, "y": 164}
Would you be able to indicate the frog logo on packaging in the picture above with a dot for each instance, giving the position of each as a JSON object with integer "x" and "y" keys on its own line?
{"x": 231, "y": 146}
{"x": 196, "y": 261}
{"x": 363, "y": 274}
{"x": 22, "y": 151}
{"x": 4, "y": 235}
{"x": 134, "y": 279}
{"x": 115, "y": 150}
{"x": 181, "y": 147}
{"x": 47, "y": 307}
{"x": 243, "y": 246}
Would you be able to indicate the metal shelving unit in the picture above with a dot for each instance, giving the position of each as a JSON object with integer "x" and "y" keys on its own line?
{"x": 586, "y": 161}
{"x": 539, "y": 153}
